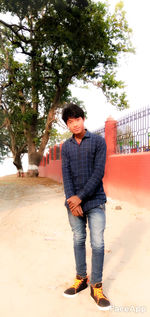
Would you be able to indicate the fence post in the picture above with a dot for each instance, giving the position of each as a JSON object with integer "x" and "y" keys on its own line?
{"x": 60, "y": 145}
{"x": 47, "y": 158}
{"x": 111, "y": 135}
{"x": 49, "y": 154}
{"x": 55, "y": 146}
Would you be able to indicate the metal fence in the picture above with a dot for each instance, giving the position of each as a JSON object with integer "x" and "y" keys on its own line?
{"x": 100, "y": 131}
{"x": 133, "y": 132}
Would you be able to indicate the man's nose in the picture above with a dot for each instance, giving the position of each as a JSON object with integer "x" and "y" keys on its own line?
{"x": 75, "y": 124}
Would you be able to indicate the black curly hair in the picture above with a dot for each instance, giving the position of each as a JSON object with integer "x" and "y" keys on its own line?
{"x": 72, "y": 111}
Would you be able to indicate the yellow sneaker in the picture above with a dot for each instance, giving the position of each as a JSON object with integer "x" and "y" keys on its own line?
{"x": 100, "y": 299}
{"x": 79, "y": 285}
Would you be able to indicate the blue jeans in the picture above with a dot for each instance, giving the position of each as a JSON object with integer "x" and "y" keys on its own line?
{"x": 96, "y": 221}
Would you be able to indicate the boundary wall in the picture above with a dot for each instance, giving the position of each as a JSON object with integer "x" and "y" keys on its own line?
{"x": 127, "y": 176}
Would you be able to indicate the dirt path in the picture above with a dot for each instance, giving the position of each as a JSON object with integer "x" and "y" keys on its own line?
{"x": 36, "y": 255}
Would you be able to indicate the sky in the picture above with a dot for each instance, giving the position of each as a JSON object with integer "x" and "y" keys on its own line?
{"x": 134, "y": 71}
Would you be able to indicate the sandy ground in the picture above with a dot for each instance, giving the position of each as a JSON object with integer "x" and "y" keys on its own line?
{"x": 37, "y": 262}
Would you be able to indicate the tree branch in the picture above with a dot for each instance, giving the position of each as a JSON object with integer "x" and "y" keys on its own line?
{"x": 6, "y": 144}
{"x": 21, "y": 46}
{"x": 20, "y": 27}
{"x": 3, "y": 125}
{"x": 21, "y": 37}
{"x": 22, "y": 149}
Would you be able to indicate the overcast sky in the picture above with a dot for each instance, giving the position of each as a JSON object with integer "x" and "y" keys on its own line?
{"x": 134, "y": 70}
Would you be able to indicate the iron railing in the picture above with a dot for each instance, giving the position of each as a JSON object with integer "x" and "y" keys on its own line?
{"x": 133, "y": 132}
{"x": 100, "y": 131}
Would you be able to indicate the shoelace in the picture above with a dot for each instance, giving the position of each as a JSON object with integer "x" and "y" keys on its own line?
{"x": 99, "y": 292}
{"x": 77, "y": 283}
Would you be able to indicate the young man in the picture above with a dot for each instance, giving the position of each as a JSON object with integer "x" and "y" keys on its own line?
{"x": 83, "y": 163}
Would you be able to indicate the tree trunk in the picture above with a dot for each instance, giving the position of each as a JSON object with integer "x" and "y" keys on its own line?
{"x": 34, "y": 162}
{"x": 17, "y": 162}
{"x": 45, "y": 137}
{"x": 36, "y": 156}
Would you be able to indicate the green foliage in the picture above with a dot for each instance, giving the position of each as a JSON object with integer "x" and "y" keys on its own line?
{"x": 3, "y": 150}
{"x": 57, "y": 137}
{"x": 70, "y": 40}
{"x": 61, "y": 40}
{"x": 4, "y": 139}
{"x": 22, "y": 8}
{"x": 11, "y": 123}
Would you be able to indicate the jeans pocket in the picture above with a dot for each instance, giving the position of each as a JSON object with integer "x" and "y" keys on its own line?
{"x": 102, "y": 206}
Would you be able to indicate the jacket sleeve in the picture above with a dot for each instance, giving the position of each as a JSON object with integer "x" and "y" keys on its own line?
{"x": 66, "y": 171}
{"x": 98, "y": 172}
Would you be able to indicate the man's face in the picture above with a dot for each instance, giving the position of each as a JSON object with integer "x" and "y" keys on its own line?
{"x": 75, "y": 125}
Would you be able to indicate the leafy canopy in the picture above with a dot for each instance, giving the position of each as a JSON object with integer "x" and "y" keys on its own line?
{"x": 71, "y": 39}
{"x": 60, "y": 41}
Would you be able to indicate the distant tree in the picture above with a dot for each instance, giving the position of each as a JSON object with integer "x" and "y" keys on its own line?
{"x": 57, "y": 137}
{"x": 3, "y": 141}
{"x": 11, "y": 125}
{"x": 12, "y": 139}
{"x": 62, "y": 40}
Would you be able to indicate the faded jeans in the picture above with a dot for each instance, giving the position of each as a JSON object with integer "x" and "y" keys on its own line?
{"x": 96, "y": 221}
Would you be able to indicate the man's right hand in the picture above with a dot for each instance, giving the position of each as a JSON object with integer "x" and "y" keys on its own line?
{"x": 77, "y": 211}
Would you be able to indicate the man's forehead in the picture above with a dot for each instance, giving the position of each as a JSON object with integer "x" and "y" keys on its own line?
{"x": 71, "y": 119}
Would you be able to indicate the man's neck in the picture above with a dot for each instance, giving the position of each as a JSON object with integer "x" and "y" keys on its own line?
{"x": 80, "y": 136}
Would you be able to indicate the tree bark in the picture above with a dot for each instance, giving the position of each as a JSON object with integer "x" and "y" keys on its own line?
{"x": 17, "y": 162}
{"x": 36, "y": 156}
{"x": 34, "y": 162}
{"x": 50, "y": 119}
{"x": 33, "y": 156}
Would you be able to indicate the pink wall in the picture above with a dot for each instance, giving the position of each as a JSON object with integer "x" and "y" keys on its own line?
{"x": 127, "y": 176}
{"x": 52, "y": 170}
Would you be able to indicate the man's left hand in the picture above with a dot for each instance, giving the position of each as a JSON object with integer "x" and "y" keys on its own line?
{"x": 73, "y": 202}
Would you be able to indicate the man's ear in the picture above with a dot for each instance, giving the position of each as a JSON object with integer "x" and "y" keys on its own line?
{"x": 67, "y": 126}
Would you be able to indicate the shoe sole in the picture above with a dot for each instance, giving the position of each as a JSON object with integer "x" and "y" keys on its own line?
{"x": 104, "y": 308}
{"x": 70, "y": 296}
